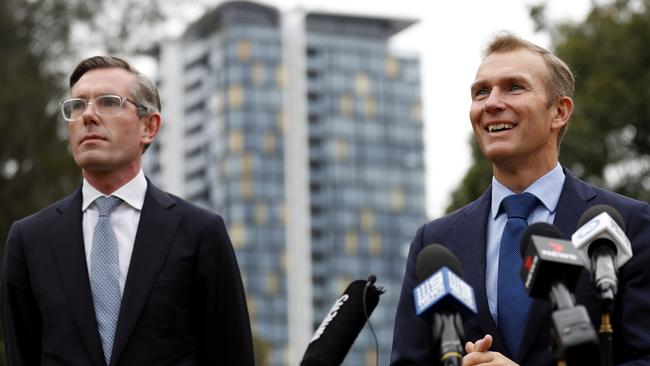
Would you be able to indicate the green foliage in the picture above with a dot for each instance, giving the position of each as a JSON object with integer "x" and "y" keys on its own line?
{"x": 608, "y": 142}
{"x": 608, "y": 139}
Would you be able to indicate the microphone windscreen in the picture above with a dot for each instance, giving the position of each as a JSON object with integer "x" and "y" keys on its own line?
{"x": 538, "y": 228}
{"x": 432, "y": 258}
{"x": 336, "y": 334}
{"x": 597, "y": 210}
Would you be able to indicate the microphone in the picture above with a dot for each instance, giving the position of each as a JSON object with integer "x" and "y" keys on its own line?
{"x": 442, "y": 294}
{"x": 602, "y": 241}
{"x": 551, "y": 266}
{"x": 551, "y": 269}
{"x": 342, "y": 324}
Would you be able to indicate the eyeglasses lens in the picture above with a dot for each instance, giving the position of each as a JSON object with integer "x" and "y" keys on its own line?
{"x": 106, "y": 105}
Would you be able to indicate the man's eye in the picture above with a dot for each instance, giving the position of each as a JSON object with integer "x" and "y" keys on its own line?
{"x": 515, "y": 87}
{"x": 481, "y": 93}
{"x": 108, "y": 102}
{"x": 78, "y": 105}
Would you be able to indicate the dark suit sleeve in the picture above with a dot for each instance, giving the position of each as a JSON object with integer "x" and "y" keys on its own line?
{"x": 632, "y": 309}
{"x": 224, "y": 334}
{"x": 21, "y": 318}
{"x": 412, "y": 340}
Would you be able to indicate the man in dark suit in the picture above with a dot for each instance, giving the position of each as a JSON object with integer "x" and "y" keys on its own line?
{"x": 120, "y": 272}
{"x": 521, "y": 105}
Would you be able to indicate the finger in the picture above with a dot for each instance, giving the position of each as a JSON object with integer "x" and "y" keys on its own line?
{"x": 488, "y": 342}
{"x": 483, "y": 344}
{"x": 476, "y": 358}
{"x": 470, "y": 347}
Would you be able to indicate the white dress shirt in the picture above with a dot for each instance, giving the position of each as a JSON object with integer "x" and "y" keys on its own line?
{"x": 125, "y": 219}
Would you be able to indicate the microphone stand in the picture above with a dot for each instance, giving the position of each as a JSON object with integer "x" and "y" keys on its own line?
{"x": 606, "y": 294}
{"x": 605, "y": 334}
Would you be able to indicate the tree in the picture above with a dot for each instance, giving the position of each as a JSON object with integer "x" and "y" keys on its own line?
{"x": 609, "y": 136}
{"x": 608, "y": 139}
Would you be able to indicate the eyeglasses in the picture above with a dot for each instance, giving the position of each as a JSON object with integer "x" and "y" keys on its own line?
{"x": 105, "y": 105}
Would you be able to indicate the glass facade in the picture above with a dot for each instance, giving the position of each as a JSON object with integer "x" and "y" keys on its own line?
{"x": 365, "y": 163}
{"x": 366, "y": 166}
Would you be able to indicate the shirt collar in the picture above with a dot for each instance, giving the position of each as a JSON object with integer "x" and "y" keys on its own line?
{"x": 547, "y": 189}
{"x": 132, "y": 192}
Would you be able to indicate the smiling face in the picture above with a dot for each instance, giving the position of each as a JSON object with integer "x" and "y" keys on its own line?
{"x": 109, "y": 146}
{"x": 514, "y": 123}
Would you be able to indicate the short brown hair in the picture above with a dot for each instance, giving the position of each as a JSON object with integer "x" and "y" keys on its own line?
{"x": 560, "y": 82}
{"x": 145, "y": 92}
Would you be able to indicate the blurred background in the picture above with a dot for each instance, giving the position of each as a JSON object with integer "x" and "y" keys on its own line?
{"x": 324, "y": 133}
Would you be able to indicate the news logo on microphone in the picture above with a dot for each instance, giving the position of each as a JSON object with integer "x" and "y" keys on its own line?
{"x": 543, "y": 258}
{"x": 602, "y": 227}
{"x": 444, "y": 288}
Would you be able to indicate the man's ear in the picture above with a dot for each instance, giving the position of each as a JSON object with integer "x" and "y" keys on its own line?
{"x": 150, "y": 128}
{"x": 562, "y": 109}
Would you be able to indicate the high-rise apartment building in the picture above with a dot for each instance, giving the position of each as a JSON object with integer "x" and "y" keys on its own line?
{"x": 304, "y": 130}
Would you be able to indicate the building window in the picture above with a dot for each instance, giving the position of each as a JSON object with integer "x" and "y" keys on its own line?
{"x": 397, "y": 200}
{"x": 238, "y": 235}
{"x": 244, "y": 50}
{"x": 371, "y": 108}
{"x": 236, "y": 141}
{"x": 216, "y": 103}
{"x": 272, "y": 284}
{"x": 235, "y": 96}
{"x": 371, "y": 357}
{"x": 341, "y": 149}
{"x": 261, "y": 213}
{"x": 374, "y": 244}
{"x": 391, "y": 68}
{"x": 416, "y": 113}
{"x": 367, "y": 219}
{"x": 258, "y": 73}
{"x": 269, "y": 143}
{"x": 351, "y": 242}
{"x": 280, "y": 76}
{"x": 282, "y": 120}
{"x": 362, "y": 84}
{"x": 346, "y": 105}
{"x": 251, "y": 301}
{"x": 246, "y": 188}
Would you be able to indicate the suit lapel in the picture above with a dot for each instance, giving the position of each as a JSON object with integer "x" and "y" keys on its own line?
{"x": 465, "y": 234}
{"x": 155, "y": 233}
{"x": 66, "y": 235}
{"x": 574, "y": 200}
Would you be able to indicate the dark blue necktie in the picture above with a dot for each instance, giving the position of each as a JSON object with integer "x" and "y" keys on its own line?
{"x": 513, "y": 302}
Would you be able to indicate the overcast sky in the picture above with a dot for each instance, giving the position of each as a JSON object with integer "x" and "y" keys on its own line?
{"x": 448, "y": 38}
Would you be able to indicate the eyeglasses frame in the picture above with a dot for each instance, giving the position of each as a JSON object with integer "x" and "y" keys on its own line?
{"x": 89, "y": 102}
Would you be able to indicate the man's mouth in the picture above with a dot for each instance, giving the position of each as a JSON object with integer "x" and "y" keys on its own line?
{"x": 91, "y": 137}
{"x": 498, "y": 127}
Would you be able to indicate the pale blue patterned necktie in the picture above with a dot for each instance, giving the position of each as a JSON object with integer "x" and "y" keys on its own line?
{"x": 513, "y": 302}
{"x": 105, "y": 274}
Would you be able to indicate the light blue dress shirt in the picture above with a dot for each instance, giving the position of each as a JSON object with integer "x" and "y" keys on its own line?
{"x": 547, "y": 189}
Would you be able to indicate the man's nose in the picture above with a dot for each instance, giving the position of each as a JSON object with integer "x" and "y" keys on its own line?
{"x": 494, "y": 101}
{"x": 89, "y": 115}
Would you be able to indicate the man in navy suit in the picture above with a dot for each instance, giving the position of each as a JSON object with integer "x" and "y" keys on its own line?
{"x": 521, "y": 105}
{"x": 120, "y": 272}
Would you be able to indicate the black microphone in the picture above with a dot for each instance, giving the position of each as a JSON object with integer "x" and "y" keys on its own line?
{"x": 551, "y": 269}
{"x": 342, "y": 324}
{"x": 602, "y": 241}
{"x": 551, "y": 266}
{"x": 441, "y": 295}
